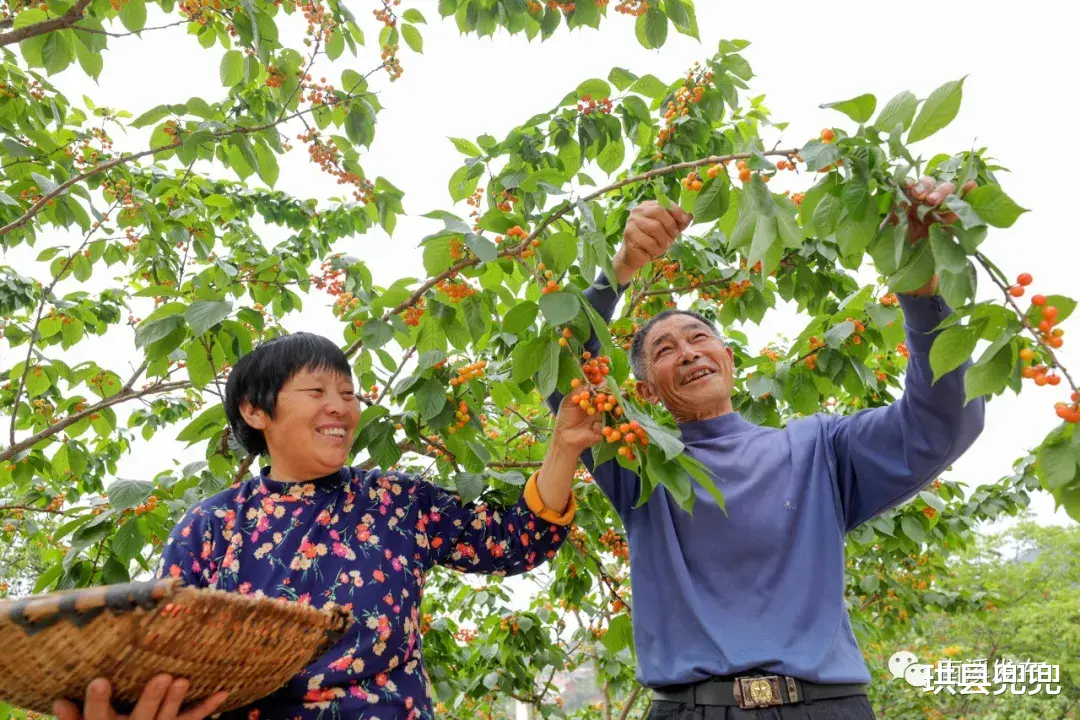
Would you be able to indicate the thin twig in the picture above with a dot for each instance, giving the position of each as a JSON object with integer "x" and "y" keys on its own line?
{"x": 642, "y": 293}
{"x": 1024, "y": 321}
{"x": 95, "y": 31}
{"x": 392, "y": 378}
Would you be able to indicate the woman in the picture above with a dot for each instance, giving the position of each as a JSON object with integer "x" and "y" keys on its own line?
{"x": 315, "y": 531}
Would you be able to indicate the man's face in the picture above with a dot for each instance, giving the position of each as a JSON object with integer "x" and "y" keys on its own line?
{"x": 313, "y": 426}
{"x": 689, "y": 369}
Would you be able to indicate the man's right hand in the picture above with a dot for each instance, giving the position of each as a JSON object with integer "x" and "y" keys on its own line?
{"x": 649, "y": 233}
{"x": 161, "y": 700}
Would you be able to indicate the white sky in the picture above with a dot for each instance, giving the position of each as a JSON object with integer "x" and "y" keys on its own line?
{"x": 803, "y": 56}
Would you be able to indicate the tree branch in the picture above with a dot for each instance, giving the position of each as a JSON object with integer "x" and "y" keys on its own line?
{"x": 630, "y": 703}
{"x": 27, "y": 508}
{"x": 37, "y": 322}
{"x": 120, "y": 397}
{"x": 72, "y": 16}
{"x": 37, "y": 206}
{"x": 554, "y": 215}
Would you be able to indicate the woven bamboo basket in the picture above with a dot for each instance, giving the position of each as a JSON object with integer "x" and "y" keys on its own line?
{"x": 53, "y": 645}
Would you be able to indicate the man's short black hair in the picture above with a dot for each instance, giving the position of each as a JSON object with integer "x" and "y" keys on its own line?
{"x": 637, "y": 347}
{"x": 259, "y": 376}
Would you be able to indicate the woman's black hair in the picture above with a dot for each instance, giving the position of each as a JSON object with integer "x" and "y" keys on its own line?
{"x": 259, "y": 376}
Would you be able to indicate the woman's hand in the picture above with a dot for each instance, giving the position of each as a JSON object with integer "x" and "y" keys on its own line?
{"x": 160, "y": 700}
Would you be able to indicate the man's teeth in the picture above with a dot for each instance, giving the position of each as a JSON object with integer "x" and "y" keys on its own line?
{"x": 698, "y": 374}
{"x": 334, "y": 432}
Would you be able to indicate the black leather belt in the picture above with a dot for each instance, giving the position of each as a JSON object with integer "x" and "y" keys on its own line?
{"x": 755, "y": 691}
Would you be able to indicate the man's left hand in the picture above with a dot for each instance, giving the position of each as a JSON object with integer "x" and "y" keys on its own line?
{"x": 928, "y": 192}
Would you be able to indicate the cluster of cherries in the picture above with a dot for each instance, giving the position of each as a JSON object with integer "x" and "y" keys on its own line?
{"x": 469, "y": 372}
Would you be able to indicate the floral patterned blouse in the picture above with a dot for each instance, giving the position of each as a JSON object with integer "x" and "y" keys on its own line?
{"x": 362, "y": 540}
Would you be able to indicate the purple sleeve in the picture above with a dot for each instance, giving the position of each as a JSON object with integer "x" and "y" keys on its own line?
{"x": 886, "y": 455}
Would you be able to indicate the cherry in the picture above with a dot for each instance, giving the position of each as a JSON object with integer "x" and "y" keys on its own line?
{"x": 1038, "y": 299}
{"x": 1023, "y": 279}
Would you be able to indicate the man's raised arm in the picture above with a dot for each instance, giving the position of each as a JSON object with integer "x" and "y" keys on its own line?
{"x": 884, "y": 456}
{"x": 649, "y": 232}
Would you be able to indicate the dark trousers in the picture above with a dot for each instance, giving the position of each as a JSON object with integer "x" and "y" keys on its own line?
{"x": 855, "y": 707}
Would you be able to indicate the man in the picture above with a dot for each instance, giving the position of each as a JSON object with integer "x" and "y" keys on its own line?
{"x": 738, "y": 610}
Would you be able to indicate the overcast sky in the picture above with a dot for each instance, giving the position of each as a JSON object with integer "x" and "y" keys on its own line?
{"x": 1015, "y": 98}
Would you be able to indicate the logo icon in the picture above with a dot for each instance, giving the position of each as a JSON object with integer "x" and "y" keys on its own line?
{"x": 904, "y": 664}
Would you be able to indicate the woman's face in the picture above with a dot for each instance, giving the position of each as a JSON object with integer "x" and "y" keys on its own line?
{"x": 313, "y": 426}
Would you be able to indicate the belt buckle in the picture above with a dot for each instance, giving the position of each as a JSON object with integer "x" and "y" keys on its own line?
{"x": 758, "y": 691}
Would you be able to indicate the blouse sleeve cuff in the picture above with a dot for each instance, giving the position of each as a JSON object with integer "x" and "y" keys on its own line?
{"x": 536, "y": 504}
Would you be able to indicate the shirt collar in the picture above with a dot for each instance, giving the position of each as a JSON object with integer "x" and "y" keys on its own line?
{"x": 731, "y": 423}
{"x": 319, "y": 486}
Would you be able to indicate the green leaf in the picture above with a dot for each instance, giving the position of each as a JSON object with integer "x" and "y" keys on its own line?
{"x": 989, "y": 377}
{"x": 559, "y": 307}
{"x": 412, "y": 38}
{"x": 205, "y": 314}
{"x": 1064, "y": 305}
{"x": 231, "y": 70}
{"x": 151, "y": 331}
{"x": 549, "y": 369}
{"x": 713, "y": 200}
{"x": 869, "y": 584}
{"x": 133, "y": 15}
{"x": 621, "y": 78}
{"x": 860, "y": 109}
{"x": 620, "y": 634}
{"x": 837, "y": 334}
{"x": 526, "y": 359}
{"x": 430, "y": 398}
{"x": 818, "y": 154}
{"x": 268, "y": 165}
{"x": 124, "y": 494}
{"x": 336, "y": 44}
{"x": 376, "y": 333}
{"x": 414, "y": 16}
{"x": 652, "y": 28}
{"x": 913, "y": 529}
{"x": 469, "y": 486}
{"x": 938, "y": 110}
{"x": 128, "y": 541}
{"x": 947, "y": 253}
{"x": 558, "y": 252}
{"x": 958, "y": 288}
{"x": 994, "y": 206}
{"x": 900, "y": 110}
{"x": 57, "y": 52}
{"x": 520, "y": 317}
{"x": 466, "y": 147}
{"x": 853, "y": 236}
{"x": 611, "y": 157}
{"x": 650, "y": 86}
{"x": 1056, "y": 465}
{"x": 916, "y": 273}
{"x": 765, "y": 248}
{"x": 952, "y": 348}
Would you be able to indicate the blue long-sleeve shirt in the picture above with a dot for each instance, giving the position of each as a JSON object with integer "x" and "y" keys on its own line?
{"x": 362, "y": 540}
{"x": 762, "y": 587}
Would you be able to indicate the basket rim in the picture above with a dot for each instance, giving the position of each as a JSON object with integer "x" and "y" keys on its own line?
{"x": 46, "y": 608}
